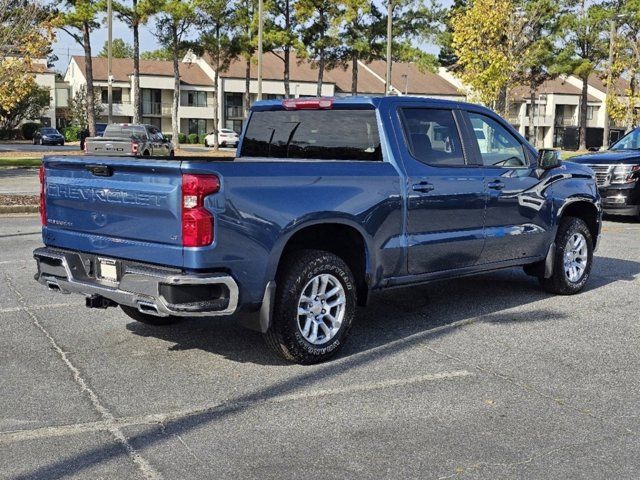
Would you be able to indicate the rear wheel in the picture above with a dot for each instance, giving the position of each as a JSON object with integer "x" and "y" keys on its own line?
{"x": 573, "y": 258}
{"x": 314, "y": 307}
{"x": 138, "y": 316}
{"x": 146, "y": 153}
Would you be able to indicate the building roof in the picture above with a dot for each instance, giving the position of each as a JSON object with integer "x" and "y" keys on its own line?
{"x": 37, "y": 67}
{"x": 557, "y": 86}
{"x": 408, "y": 75}
{"x": 597, "y": 79}
{"x": 122, "y": 68}
{"x": 302, "y": 70}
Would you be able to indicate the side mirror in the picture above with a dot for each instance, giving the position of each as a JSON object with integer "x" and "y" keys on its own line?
{"x": 548, "y": 158}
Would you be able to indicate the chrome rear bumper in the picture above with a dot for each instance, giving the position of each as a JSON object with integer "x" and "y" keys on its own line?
{"x": 139, "y": 286}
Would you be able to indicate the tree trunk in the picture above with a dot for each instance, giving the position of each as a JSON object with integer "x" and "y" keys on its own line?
{"x": 320, "y": 74}
{"x": 354, "y": 74}
{"x": 91, "y": 114}
{"x": 501, "y": 102}
{"x": 176, "y": 88}
{"x": 247, "y": 88}
{"x": 287, "y": 61}
{"x": 137, "y": 100}
{"x": 583, "y": 114}
{"x": 532, "y": 97}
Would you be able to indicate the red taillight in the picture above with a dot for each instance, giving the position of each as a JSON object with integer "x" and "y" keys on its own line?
{"x": 134, "y": 148}
{"x": 307, "y": 103}
{"x": 43, "y": 206}
{"x": 197, "y": 222}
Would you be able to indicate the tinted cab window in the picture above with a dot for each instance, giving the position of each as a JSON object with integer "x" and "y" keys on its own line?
{"x": 497, "y": 146}
{"x": 313, "y": 134}
{"x": 432, "y": 136}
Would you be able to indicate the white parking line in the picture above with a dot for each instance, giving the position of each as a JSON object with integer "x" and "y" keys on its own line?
{"x": 108, "y": 419}
{"x": 162, "y": 418}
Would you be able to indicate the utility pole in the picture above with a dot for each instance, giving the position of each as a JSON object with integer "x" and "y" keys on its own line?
{"x": 260, "y": 25}
{"x": 612, "y": 38}
{"x": 109, "y": 61}
{"x": 387, "y": 83}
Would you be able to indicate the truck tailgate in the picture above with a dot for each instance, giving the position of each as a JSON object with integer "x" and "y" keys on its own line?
{"x": 114, "y": 206}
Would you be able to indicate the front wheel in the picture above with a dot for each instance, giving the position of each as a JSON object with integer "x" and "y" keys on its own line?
{"x": 145, "y": 318}
{"x": 314, "y": 307}
{"x": 573, "y": 258}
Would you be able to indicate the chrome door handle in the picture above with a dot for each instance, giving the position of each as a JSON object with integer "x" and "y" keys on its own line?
{"x": 422, "y": 187}
{"x": 496, "y": 185}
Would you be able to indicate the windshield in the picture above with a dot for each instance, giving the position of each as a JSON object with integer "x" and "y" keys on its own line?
{"x": 631, "y": 141}
{"x": 49, "y": 130}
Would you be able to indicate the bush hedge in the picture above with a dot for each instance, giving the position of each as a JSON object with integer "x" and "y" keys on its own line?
{"x": 168, "y": 136}
{"x": 28, "y": 129}
{"x": 193, "y": 138}
{"x": 182, "y": 138}
{"x": 71, "y": 134}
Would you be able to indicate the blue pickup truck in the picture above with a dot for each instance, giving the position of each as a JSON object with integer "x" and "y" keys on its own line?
{"x": 327, "y": 201}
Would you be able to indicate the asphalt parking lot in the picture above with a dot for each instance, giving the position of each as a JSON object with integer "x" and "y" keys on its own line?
{"x": 482, "y": 377}
{"x": 29, "y": 147}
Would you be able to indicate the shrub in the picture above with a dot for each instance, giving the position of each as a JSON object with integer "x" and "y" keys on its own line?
{"x": 182, "y": 138}
{"x": 193, "y": 138}
{"x": 28, "y": 129}
{"x": 168, "y": 136}
{"x": 72, "y": 134}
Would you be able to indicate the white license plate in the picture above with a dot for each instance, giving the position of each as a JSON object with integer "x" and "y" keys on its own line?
{"x": 108, "y": 269}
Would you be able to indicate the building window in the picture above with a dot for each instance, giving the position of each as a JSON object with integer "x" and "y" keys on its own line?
{"x": 592, "y": 112}
{"x": 191, "y": 98}
{"x": 540, "y": 110}
{"x": 235, "y": 125}
{"x": 197, "y": 126}
{"x": 116, "y": 95}
{"x": 62, "y": 97}
{"x": 151, "y": 101}
{"x": 155, "y": 121}
{"x": 233, "y": 106}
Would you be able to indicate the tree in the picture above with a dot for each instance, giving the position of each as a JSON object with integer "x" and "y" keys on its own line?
{"x": 25, "y": 35}
{"x": 360, "y": 31}
{"x": 480, "y": 43}
{"x": 218, "y": 42}
{"x": 119, "y": 49}
{"x": 30, "y": 106}
{"x": 159, "y": 54}
{"x": 447, "y": 56}
{"x": 172, "y": 27}
{"x": 281, "y": 36}
{"x": 78, "y": 19}
{"x": 622, "y": 104}
{"x": 318, "y": 21}
{"x": 79, "y": 107}
{"x": 585, "y": 49}
{"x": 134, "y": 15}
{"x": 245, "y": 20}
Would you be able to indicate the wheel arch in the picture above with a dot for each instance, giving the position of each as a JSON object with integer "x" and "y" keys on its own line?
{"x": 585, "y": 209}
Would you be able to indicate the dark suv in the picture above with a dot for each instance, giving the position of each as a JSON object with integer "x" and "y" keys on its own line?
{"x": 618, "y": 174}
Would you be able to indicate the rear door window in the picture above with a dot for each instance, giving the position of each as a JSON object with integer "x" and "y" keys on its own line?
{"x": 432, "y": 136}
{"x": 313, "y": 135}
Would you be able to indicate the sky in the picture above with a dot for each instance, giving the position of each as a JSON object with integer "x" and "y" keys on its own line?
{"x": 64, "y": 47}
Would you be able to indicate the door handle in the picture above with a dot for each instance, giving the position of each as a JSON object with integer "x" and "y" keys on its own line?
{"x": 496, "y": 185}
{"x": 422, "y": 187}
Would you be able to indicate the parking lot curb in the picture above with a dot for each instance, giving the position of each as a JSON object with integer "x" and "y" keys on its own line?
{"x": 4, "y": 209}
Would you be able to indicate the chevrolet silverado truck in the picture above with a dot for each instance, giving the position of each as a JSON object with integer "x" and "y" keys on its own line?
{"x": 125, "y": 139}
{"x": 617, "y": 173}
{"x": 328, "y": 201}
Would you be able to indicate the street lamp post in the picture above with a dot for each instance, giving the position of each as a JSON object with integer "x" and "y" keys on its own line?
{"x": 109, "y": 61}
{"x": 260, "y": 25}
{"x": 387, "y": 83}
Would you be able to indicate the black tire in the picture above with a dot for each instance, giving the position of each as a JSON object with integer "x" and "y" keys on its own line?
{"x": 172, "y": 154}
{"x": 559, "y": 282}
{"x": 284, "y": 336}
{"x": 146, "y": 153}
{"x": 35, "y": 142}
{"x": 206, "y": 144}
{"x": 138, "y": 316}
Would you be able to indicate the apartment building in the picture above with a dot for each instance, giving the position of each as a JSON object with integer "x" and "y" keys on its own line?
{"x": 195, "y": 111}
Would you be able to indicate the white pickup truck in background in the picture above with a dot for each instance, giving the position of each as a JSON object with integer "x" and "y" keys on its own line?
{"x": 130, "y": 140}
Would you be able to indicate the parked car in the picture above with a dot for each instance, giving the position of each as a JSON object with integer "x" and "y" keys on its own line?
{"x": 48, "y": 136}
{"x": 226, "y": 138}
{"x": 329, "y": 201}
{"x": 100, "y": 128}
{"x": 617, "y": 172}
{"x": 125, "y": 139}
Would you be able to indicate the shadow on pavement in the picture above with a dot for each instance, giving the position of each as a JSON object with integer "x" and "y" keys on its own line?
{"x": 396, "y": 321}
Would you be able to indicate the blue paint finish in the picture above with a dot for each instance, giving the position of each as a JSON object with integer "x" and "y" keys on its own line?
{"x": 459, "y": 227}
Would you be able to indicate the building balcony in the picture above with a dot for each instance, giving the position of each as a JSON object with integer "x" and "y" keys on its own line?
{"x": 562, "y": 121}
{"x": 124, "y": 109}
{"x": 538, "y": 121}
{"x": 196, "y": 112}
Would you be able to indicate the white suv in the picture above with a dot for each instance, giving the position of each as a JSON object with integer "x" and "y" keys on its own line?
{"x": 226, "y": 138}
